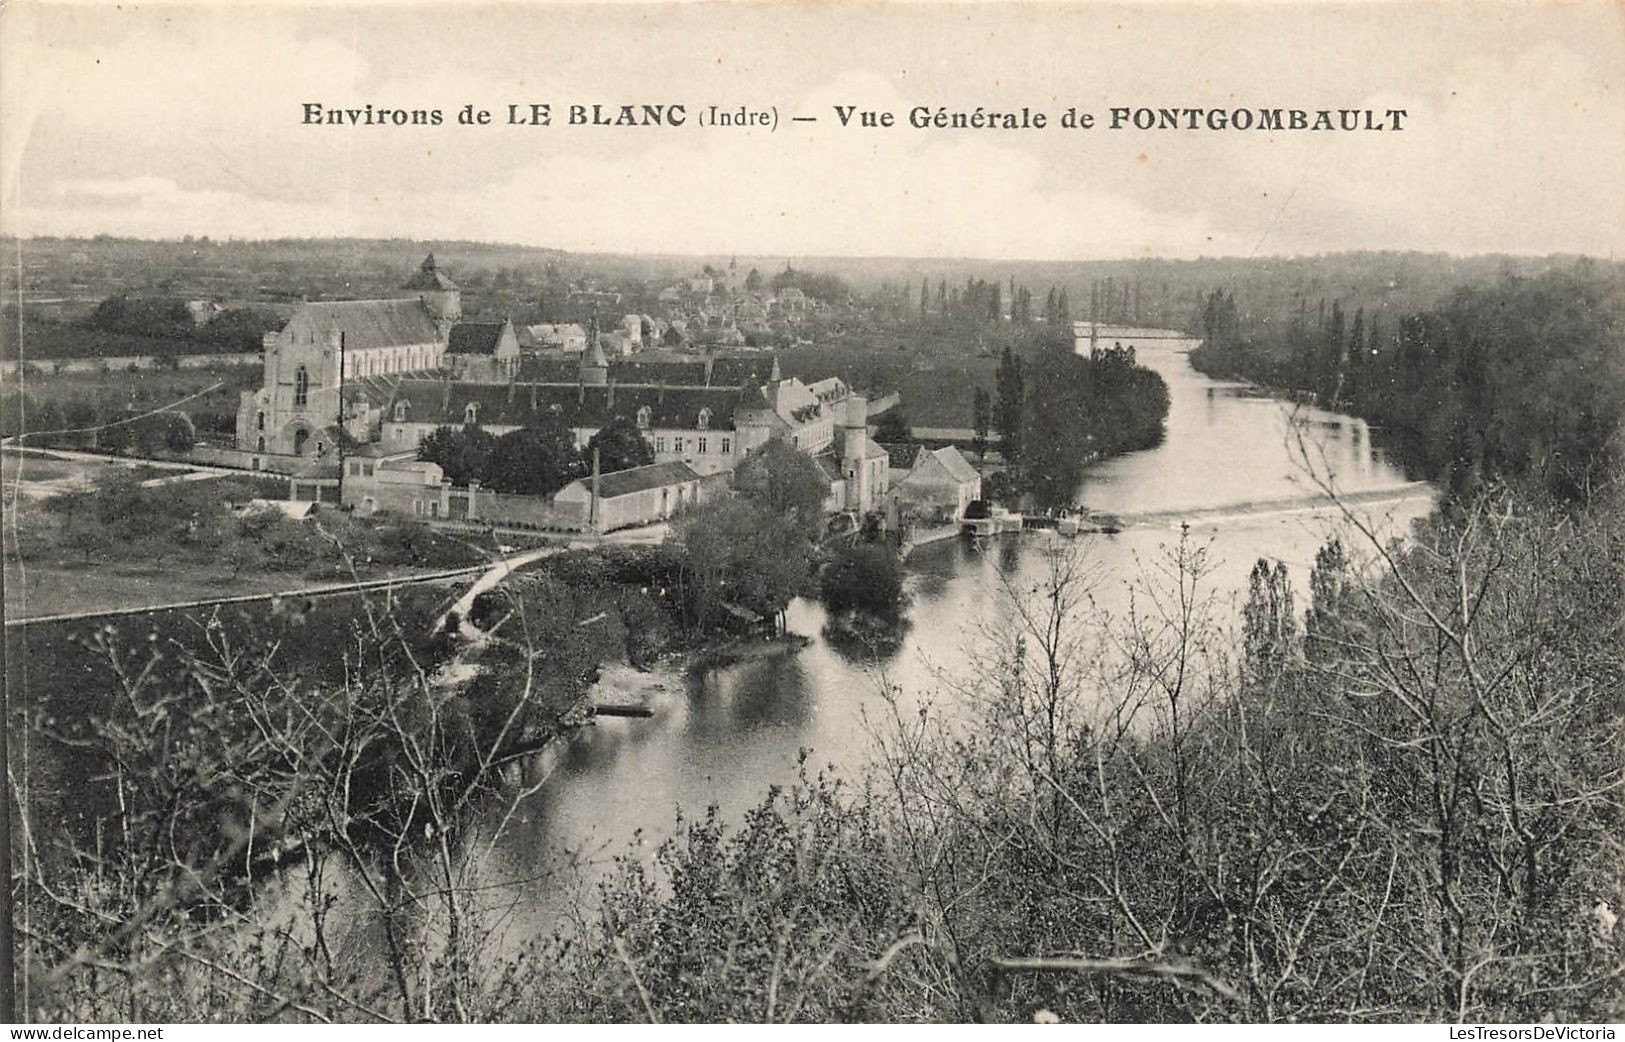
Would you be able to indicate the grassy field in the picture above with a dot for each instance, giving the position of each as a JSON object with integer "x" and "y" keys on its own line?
{"x": 55, "y": 340}
{"x": 15, "y": 469}
{"x": 48, "y": 402}
{"x": 117, "y": 544}
{"x": 57, "y": 589}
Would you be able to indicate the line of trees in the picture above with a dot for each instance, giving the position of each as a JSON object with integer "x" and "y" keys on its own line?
{"x": 537, "y": 459}
{"x": 1522, "y": 380}
{"x": 1056, "y": 411}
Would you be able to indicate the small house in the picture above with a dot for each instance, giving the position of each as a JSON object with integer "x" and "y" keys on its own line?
{"x": 939, "y": 483}
{"x": 627, "y": 498}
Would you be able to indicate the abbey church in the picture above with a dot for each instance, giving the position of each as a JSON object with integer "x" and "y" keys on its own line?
{"x": 328, "y": 344}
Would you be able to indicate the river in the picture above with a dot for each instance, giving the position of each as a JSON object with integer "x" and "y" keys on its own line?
{"x": 722, "y": 737}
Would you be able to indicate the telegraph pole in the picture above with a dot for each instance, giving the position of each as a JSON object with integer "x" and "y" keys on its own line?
{"x": 8, "y": 967}
{"x": 338, "y": 439}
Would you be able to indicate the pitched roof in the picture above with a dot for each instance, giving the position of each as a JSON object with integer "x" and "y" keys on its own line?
{"x": 950, "y": 461}
{"x": 641, "y": 479}
{"x": 537, "y": 369}
{"x": 828, "y": 390}
{"x": 445, "y": 402}
{"x": 956, "y": 463}
{"x": 475, "y": 338}
{"x": 826, "y": 463}
{"x": 593, "y": 356}
{"x": 379, "y": 388}
{"x": 685, "y": 372}
{"x": 364, "y": 323}
{"x": 740, "y": 372}
{"x": 681, "y": 373}
{"x": 429, "y": 277}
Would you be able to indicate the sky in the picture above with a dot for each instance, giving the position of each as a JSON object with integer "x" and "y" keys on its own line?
{"x": 159, "y": 120}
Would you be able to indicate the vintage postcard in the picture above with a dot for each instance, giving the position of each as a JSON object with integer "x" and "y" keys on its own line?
{"x": 813, "y": 513}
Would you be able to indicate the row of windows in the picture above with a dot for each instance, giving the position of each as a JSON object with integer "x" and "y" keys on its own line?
{"x": 701, "y": 445}
{"x": 373, "y": 363}
{"x": 702, "y": 422}
{"x": 369, "y": 363}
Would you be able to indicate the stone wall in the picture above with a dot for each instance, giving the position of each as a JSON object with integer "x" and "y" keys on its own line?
{"x": 125, "y": 363}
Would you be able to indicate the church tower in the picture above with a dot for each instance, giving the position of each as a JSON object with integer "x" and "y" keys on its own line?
{"x": 854, "y": 453}
{"x": 439, "y": 295}
{"x": 594, "y": 367}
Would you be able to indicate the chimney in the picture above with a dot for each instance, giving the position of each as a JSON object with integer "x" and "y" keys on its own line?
{"x": 611, "y": 400}
{"x": 532, "y": 397}
{"x": 660, "y": 396}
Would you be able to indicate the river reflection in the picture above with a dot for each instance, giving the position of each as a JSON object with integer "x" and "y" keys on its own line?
{"x": 724, "y": 736}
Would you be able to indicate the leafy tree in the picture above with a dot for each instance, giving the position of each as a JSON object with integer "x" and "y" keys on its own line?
{"x": 160, "y": 432}
{"x": 866, "y": 577}
{"x": 620, "y": 446}
{"x": 141, "y": 316}
{"x": 1269, "y": 622}
{"x": 786, "y": 482}
{"x": 535, "y": 460}
{"x": 981, "y": 421}
{"x": 240, "y": 329}
{"x": 738, "y": 550}
{"x": 463, "y": 453}
{"x": 1520, "y": 380}
{"x": 1010, "y": 409}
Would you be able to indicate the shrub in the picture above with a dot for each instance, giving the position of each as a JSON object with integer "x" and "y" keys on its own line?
{"x": 867, "y": 578}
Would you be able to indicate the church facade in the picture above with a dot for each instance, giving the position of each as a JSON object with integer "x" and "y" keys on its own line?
{"x": 327, "y": 346}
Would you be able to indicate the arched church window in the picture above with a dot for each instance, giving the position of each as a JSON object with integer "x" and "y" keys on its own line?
{"x": 301, "y": 387}
{"x": 259, "y": 421}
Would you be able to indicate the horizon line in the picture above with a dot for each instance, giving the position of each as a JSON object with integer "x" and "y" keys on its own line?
{"x": 184, "y": 237}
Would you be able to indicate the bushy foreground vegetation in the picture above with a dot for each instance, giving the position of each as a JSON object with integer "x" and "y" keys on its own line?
{"x": 1402, "y": 803}
{"x": 223, "y": 523}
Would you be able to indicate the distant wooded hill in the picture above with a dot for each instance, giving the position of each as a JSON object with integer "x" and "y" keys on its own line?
{"x": 507, "y": 278}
